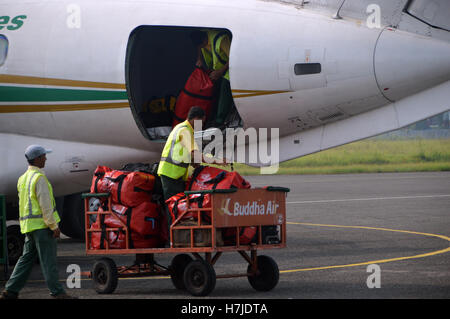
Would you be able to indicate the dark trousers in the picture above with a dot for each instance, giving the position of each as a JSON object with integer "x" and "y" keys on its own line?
{"x": 224, "y": 103}
{"x": 171, "y": 187}
{"x": 39, "y": 243}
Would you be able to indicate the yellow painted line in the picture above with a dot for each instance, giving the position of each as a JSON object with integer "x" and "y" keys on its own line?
{"x": 433, "y": 253}
{"x": 60, "y": 107}
{"x": 380, "y": 261}
{"x": 32, "y": 80}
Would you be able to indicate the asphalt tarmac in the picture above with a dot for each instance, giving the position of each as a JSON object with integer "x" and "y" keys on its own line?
{"x": 365, "y": 236}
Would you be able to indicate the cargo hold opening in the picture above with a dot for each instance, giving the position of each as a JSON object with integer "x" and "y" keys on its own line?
{"x": 159, "y": 61}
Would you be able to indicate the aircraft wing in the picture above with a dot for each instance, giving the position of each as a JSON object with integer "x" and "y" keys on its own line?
{"x": 387, "y": 118}
{"x": 425, "y": 17}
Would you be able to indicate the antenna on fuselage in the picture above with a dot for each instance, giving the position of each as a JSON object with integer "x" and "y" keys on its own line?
{"x": 337, "y": 16}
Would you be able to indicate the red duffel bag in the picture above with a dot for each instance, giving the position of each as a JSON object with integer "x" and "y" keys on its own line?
{"x": 144, "y": 230}
{"x": 247, "y": 235}
{"x": 99, "y": 183}
{"x": 143, "y": 219}
{"x": 207, "y": 178}
{"x": 177, "y": 205}
{"x": 130, "y": 188}
{"x": 198, "y": 91}
{"x": 117, "y": 240}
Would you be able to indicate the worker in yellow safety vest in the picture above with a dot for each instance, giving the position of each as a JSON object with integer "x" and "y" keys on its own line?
{"x": 181, "y": 151}
{"x": 39, "y": 222}
{"x": 214, "y": 52}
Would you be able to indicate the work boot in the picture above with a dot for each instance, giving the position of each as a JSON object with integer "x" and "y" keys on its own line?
{"x": 8, "y": 295}
{"x": 64, "y": 296}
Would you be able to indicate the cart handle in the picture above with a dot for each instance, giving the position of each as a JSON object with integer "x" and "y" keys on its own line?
{"x": 278, "y": 189}
{"x": 233, "y": 190}
{"x": 89, "y": 195}
{"x": 211, "y": 191}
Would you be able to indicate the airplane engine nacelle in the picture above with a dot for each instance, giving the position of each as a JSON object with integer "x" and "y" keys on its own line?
{"x": 406, "y": 63}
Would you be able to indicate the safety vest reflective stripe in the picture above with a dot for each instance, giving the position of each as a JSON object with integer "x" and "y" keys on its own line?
{"x": 34, "y": 216}
{"x": 170, "y": 158}
{"x": 207, "y": 56}
{"x": 216, "y": 47}
{"x": 30, "y": 204}
{"x": 172, "y": 161}
{"x": 30, "y": 216}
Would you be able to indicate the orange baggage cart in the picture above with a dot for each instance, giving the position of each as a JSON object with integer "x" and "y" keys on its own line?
{"x": 198, "y": 244}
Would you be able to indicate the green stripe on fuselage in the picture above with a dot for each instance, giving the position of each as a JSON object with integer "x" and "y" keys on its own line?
{"x": 27, "y": 94}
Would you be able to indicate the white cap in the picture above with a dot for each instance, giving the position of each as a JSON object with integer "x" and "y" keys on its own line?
{"x": 34, "y": 151}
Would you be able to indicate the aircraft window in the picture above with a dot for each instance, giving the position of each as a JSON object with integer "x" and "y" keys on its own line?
{"x": 307, "y": 68}
{"x": 3, "y": 49}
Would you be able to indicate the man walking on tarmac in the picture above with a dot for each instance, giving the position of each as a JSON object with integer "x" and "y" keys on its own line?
{"x": 178, "y": 153}
{"x": 39, "y": 222}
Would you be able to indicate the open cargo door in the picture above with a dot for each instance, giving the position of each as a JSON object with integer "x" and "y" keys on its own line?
{"x": 159, "y": 61}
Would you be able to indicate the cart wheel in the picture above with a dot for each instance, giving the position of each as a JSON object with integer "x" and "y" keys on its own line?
{"x": 105, "y": 276}
{"x": 177, "y": 267}
{"x": 199, "y": 278}
{"x": 268, "y": 274}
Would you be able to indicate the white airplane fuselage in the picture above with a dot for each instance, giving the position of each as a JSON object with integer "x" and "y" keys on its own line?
{"x": 63, "y": 82}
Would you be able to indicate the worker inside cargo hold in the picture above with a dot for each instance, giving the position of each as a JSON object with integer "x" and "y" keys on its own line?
{"x": 181, "y": 151}
{"x": 210, "y": 82}
{"x": 216, "y": 57}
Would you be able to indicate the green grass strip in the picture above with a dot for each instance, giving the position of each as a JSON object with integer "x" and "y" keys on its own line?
{"x": 369, "y": 156}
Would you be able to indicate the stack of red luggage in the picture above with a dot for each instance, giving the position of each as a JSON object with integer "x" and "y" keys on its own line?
{"x": 131, "y": 196}
{"x": 210, "y": 178}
